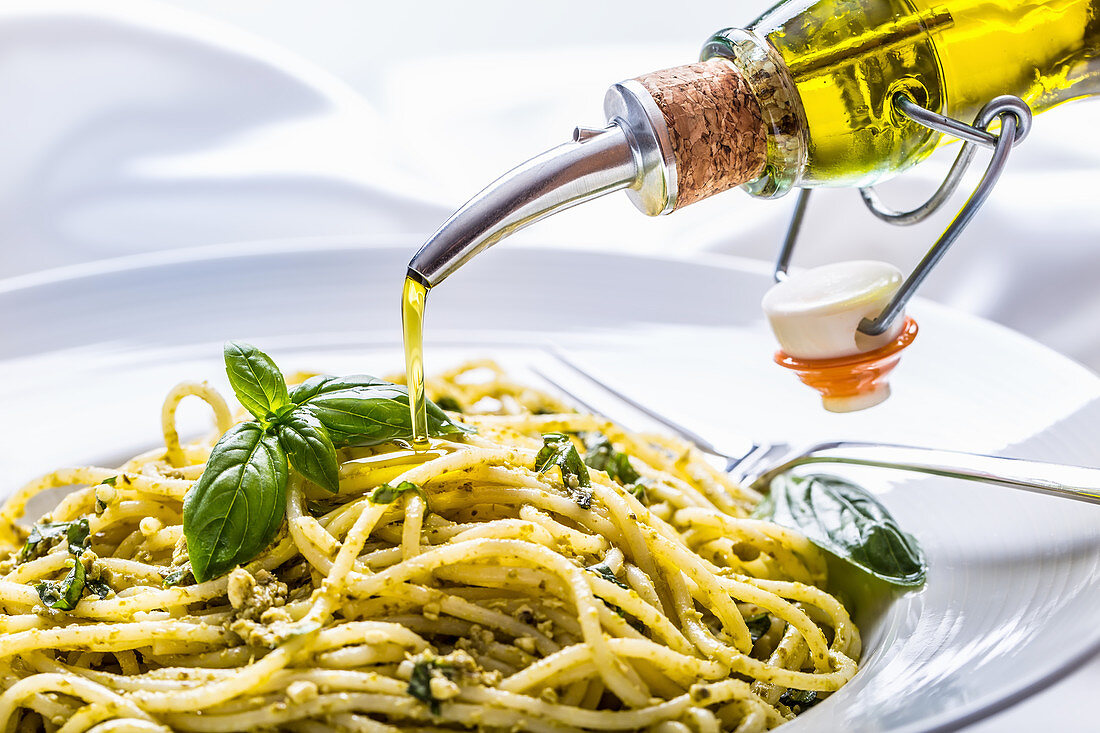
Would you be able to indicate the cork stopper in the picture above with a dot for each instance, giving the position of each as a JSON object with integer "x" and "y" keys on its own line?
{"x": 714, "y": 126}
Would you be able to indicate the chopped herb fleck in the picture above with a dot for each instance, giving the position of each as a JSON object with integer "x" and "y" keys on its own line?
{"x": 420, "y": 682}
{"x": 321, "y": 508}
{"x": 64, "y": 594}
{"x": 758, "y": 626}
{"x": 448, "y": 403}
{"x": 602, "y": 456}
{"x": 802, "y": 699}
{"x": 602, "y": 570}
{"x": 98, "y": 588}
{"x": 77, "y": 535}
{"x": 180, "y": 576}
{"x": 45, "y": 535}
{"x": 558, "y": 450}
{"x": 386, "y": 494}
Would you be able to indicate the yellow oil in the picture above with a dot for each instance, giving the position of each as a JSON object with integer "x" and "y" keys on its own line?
{"x": 849, "y": 57}
{"x": 413, "y": 298}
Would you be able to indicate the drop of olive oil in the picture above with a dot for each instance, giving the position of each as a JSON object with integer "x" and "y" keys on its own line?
{"x": 413, "y": 297}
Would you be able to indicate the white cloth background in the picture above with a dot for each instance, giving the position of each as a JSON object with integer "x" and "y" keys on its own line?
{"x": 132, "y": 125}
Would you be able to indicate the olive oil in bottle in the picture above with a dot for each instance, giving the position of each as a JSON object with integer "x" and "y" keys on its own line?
{"x": 844, "y": 60}
{"x": 413, "y": 297}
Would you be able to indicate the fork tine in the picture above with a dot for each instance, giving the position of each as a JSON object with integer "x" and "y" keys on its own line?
{"x": 582, "y": 403}
{"x": 674, "y": 427}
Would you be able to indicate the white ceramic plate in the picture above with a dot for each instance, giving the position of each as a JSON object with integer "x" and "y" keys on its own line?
{"x": 1014, "y": 583}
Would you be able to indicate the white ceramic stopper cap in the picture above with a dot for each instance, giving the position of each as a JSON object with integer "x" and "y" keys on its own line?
{"x": 816, "y": 313}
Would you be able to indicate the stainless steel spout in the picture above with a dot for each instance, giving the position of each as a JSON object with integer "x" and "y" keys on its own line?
{"x": 631, "y": 153}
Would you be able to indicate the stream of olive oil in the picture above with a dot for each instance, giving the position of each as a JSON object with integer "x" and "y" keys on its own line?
{"x": 413, "y": 297}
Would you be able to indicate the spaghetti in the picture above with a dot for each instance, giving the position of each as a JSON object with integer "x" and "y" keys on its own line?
{"x": 452, "y": 588}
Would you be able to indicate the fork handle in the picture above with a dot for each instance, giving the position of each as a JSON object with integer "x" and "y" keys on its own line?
{"x": 1071, "y": 482}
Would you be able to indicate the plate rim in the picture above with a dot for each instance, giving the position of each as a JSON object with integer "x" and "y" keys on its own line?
{"x": 954, "y": 719}
{"x": 242, "y": 249}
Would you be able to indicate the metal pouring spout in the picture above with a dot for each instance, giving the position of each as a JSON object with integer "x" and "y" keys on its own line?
{"x": 673, "y": 137}
{"x": 628, "y": 154}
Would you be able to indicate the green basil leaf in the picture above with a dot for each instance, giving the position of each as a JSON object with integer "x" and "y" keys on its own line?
{"x": 386, "y": 494}
{"x": 63, "y": 594}
{"x": 849, "y": 522}
{"x": 558, "y": 450}
{"x": 602, "y": 456}
{"x": 309, "y": 449}
{"x": 257, "y": 382}
{"x": 369, "y": 415}
{"x": 325, "y": 383}
{"x": 110, "y": 480}
{"x": 235, "y": 508}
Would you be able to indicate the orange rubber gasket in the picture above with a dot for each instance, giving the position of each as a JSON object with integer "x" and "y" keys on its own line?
{"x": 850, "y": 376}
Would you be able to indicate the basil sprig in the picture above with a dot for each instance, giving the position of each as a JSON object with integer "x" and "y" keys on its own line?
{"x": 323, "y": 384}
{"x": 846, "y": 520}
{"x": 236, "y": 507}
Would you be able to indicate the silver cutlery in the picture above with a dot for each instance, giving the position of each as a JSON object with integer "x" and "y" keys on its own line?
{"x": 756, "y": 464}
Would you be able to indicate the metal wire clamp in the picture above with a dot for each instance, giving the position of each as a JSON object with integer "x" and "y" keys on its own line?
{"x": 1015, "y": 119}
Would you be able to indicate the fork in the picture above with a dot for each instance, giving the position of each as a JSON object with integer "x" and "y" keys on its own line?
{"x": 756, "y": 464}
